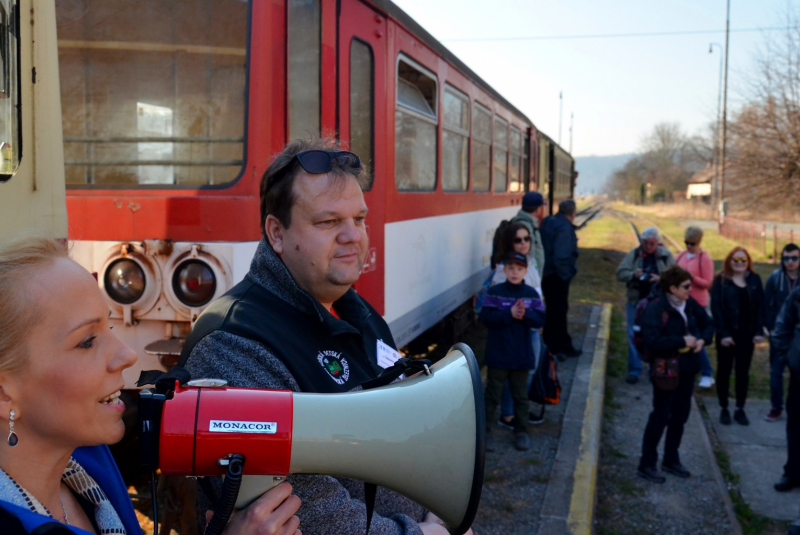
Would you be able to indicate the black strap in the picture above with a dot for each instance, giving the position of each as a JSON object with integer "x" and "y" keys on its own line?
{"x": 164, "y": 381}
{"x": 370, "y": 491}
{"x": 401, "y": 366}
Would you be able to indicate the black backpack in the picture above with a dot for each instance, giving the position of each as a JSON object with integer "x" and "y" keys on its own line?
{"x": 497, "y": 240}
{"x": 638, "y": 316}
{"x": 545, "y": 387}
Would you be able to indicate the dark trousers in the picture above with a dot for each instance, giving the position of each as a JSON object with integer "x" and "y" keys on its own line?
{"x": 776, "y": 367}
{"x": 736, "y": 357}
{"x": 670, "y": 410}
{"x": 518, "y": 384}
{"x": 792, "y": 467}
{"x": 556, "y": 297}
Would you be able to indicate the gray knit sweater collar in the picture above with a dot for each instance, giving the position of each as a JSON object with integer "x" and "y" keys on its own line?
{"x": 268, "y": 271}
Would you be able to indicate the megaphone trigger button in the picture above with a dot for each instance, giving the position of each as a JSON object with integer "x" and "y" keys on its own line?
{"x": 427, "y": 370}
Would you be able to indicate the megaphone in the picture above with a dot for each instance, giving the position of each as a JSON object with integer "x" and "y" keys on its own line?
{"x": 437, "y": 419}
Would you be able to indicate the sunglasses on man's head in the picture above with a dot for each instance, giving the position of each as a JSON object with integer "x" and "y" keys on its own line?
{"x": 739, "y": 260}
{"x": 316, "y": 161}
{"x": 791, "y": 258}
{"x": 686, "y": 286}
{"x": 690, "y": 243}
{"x": 526, "y": 239}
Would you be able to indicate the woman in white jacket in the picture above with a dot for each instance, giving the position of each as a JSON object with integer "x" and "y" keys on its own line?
{"x": 517, "y": 238}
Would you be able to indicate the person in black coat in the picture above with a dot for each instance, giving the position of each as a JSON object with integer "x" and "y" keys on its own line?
{"x": 560, "y": 267}
{"x": 784, "y": 342}
{"x": 737, "y": 304}
{"x": 673, "y": 324}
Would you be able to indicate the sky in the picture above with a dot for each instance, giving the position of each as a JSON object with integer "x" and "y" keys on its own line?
{"x": 618, "y": 88}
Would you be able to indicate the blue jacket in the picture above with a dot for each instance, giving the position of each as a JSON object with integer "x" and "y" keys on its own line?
{"x": 508, "y": 344}
{"x": 776, "y": 290}
{"x": 560, "y": 247}
{"x": 99, "y": 464}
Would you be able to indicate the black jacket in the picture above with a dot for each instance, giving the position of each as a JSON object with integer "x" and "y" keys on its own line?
{"x": 725, "y": 307}
{"x": 560, "y": 247}
{"x": 663, "y": 329}
{"x": 785, "y": 338}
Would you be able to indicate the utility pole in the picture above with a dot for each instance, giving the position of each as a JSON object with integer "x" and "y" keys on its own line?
{"x": 715, "y": 193}
{"x": 724, "y": 127}
{"x": 571, "y": 120}
{"x": 560, "y": 114}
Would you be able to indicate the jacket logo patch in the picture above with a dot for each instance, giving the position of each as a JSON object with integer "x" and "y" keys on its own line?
{"x": 336, "y": 366}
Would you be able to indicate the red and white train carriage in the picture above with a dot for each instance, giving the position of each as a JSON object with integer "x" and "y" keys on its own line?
{"x": 172, "y": 110}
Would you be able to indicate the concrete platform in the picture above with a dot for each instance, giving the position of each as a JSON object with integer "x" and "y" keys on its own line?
{"x": 569, "y": 501}
{"x": 757, "y": 454}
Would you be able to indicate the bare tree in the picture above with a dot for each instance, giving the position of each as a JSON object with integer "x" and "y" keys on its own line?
{"x": 763, "y": 170}
{"x": 667, "y": 162}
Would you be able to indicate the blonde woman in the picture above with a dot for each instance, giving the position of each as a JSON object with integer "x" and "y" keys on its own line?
{"x": 60, "y": 381}
{"x": 699, "y": 264}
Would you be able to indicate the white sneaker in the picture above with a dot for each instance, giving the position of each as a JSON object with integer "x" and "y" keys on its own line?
{"x": 706, "y": 381}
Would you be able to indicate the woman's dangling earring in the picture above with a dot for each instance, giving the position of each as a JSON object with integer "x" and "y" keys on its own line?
{"x": 13, "y": 439}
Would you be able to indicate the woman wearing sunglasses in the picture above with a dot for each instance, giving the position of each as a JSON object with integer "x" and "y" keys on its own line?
{"x": 674, "y": 324}
{"x": 698, "y": 262}
{"x": 60, "y": 379}
{"x": 517, "y": 239}
{"x": 737, "y": 304}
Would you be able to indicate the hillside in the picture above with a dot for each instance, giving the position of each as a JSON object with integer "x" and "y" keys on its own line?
{"x": 595, "y": 170}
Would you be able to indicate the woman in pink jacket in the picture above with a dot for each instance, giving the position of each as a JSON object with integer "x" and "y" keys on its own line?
{"x": 698, "y": 262}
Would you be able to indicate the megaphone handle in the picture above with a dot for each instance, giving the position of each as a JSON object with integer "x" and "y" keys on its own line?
{"x": 228, "y": 496}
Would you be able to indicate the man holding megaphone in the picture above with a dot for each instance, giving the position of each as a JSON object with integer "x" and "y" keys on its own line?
{"x": 295, "y": 323}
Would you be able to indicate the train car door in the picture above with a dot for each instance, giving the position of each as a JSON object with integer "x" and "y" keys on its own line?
{"x": 362, "y": 122}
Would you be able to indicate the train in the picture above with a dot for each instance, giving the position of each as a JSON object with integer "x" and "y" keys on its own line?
{"x": 156, "y": 120}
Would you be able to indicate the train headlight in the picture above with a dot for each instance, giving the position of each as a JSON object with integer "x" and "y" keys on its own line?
{"x": 124, "y": 281}
{"x": 194, "y": 283}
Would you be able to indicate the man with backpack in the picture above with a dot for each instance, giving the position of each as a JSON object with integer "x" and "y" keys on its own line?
{"x": 640, "y": 271}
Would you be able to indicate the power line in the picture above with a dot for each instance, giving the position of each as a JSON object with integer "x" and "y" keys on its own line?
{"x": 610, "y": 35}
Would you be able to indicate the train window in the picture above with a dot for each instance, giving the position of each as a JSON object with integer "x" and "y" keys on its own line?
{"x": 10, "y": 135}
{"x": 362, "y": 71}
{"x": 303, "y": 67}
{"x": 416, "y": 122}
{"x": 481, "y": 147}
{"x": 152, "y": 92}
{"x": 500, "y": 155}
{"x": 514, "y": 159}
{"x": 455, "y": 140}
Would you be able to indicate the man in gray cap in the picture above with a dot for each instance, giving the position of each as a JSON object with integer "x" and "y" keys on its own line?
{"x": 530, "y": 215}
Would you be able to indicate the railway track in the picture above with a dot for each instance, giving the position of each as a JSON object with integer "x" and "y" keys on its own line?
{"x": 582, "y": 217}
{"x": 626, "y": 218}
{"x": 677, "y": 247}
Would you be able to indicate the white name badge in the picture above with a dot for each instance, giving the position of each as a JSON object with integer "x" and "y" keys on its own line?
{"x": 233, "y": 426}
{"x": 387, "y": 356}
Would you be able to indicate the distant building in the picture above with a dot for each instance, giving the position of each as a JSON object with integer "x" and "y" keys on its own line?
{"x": 701, "y": 185}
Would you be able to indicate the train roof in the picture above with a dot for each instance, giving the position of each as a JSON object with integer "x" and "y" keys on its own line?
{"x": 413, "y": 26}
{"x": 551, "y": 140}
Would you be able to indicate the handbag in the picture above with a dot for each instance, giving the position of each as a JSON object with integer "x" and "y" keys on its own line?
{"x": 665, "y": 372}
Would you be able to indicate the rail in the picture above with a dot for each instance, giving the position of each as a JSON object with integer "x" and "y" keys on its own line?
{"x": 582, "y": 217}
{"x": 626, "y": 218}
